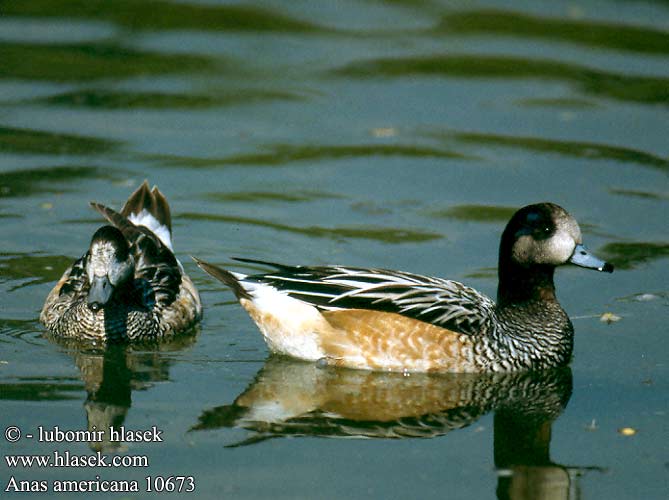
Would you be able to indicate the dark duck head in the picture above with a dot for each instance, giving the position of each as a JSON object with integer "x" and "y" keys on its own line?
{"x": 537, "y": 239}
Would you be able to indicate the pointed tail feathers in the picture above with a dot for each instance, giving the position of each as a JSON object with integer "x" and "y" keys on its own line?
{"x": 150, "y": 200}
{"x": 225, "y": 277}
{"x": 145, "y": 207}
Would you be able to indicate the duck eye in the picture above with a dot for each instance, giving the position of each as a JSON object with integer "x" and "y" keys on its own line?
{"x": 542, "y": 231}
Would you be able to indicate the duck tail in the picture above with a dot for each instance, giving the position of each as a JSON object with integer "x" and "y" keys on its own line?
{"x": 149, "y": 208}
{"x": 226, "y": 277}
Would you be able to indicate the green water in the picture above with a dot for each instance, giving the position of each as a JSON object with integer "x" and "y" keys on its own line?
{"x": 398, "y": 134}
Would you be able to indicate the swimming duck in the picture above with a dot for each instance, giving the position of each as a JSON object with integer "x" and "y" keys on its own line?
{"x": 391, "y": 320}
{"x": 128, "y": 285}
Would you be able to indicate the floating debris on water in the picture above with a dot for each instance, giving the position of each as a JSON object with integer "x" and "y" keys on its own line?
{"x": 609, "y": 318}
{"x": 384, "y": 132}
{"x": 592, "y": 426}
{"x": 627, "y": 431}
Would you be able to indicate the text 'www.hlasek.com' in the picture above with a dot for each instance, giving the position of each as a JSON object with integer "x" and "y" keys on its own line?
{"x": 23, "y": 468}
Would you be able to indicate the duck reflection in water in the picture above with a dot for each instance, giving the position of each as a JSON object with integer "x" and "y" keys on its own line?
{"x": 111, "y": 373}
{"x": 293, "y": 398}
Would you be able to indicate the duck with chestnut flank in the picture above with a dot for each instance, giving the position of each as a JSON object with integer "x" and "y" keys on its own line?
{"x": 390, "y": 320}
{"x": 128, "y": 286}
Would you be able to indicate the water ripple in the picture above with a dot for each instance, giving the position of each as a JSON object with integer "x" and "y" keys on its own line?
{"x": 27, "y": 270}
{"x": 382, "y": 234}
{"x": 475, "y": 213}
{"x": 21, "y": 140}
{"x": 89, "y": 61}
{"x": 32, "y": 181}
{"x": 643, "y": 89}
{"x": 628, "y": 255}
{"x": 283, "y": 154}
{"x": 613, "y": 36}
{"x": 118, "y": 99}
{"x": 164, "y": 15}
{"x": 48, "y": 390}
{"x": 576, "y": 149}
{"x": 271, "y": 196}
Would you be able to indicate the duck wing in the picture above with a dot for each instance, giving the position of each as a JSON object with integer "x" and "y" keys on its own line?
{"x": 445, "y": 303}
{"x": 75, "y": 279}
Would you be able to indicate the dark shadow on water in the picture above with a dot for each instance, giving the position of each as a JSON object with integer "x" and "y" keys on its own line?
{"x": 165, "y": 15}
{"x": 383, "y": 234}
{"x": 644, "y": 195}
{"x": 628, "y": 255}
{"x": 284, "y": 154}
{"x": 574, "y": 149}
{"x": 125, "y": 99}
{"x": 613, "y": 36}
{"x": 557, "y": 103}
{"x": 284, "y": 196}
{"x": 28, "y": 270}
{"x": 90, "y": 61}
{"x": 33, "y": 181}
{"x": 21, "y": 140}
{"x": 475, "y": 213}
{"x": 111, "y": 374}
{"x": 51, "y": 389}
{"x": 618, "y": 86}
{"x": 291, "y": 398}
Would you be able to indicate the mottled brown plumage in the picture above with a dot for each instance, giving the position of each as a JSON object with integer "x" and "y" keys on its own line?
{"x": 128, "y": 285}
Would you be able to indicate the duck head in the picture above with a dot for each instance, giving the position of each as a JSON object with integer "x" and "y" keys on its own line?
{"x": 537, "y": 239}
{"x": 110, "y": 265}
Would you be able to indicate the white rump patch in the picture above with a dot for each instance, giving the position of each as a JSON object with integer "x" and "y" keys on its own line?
{"x": 147, "y": 220}
{"x": 295, "y": 329}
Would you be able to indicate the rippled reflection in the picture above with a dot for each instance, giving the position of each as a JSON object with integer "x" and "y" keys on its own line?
{"x": 112, "y": 373}
{"x": 290, "y": 398}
